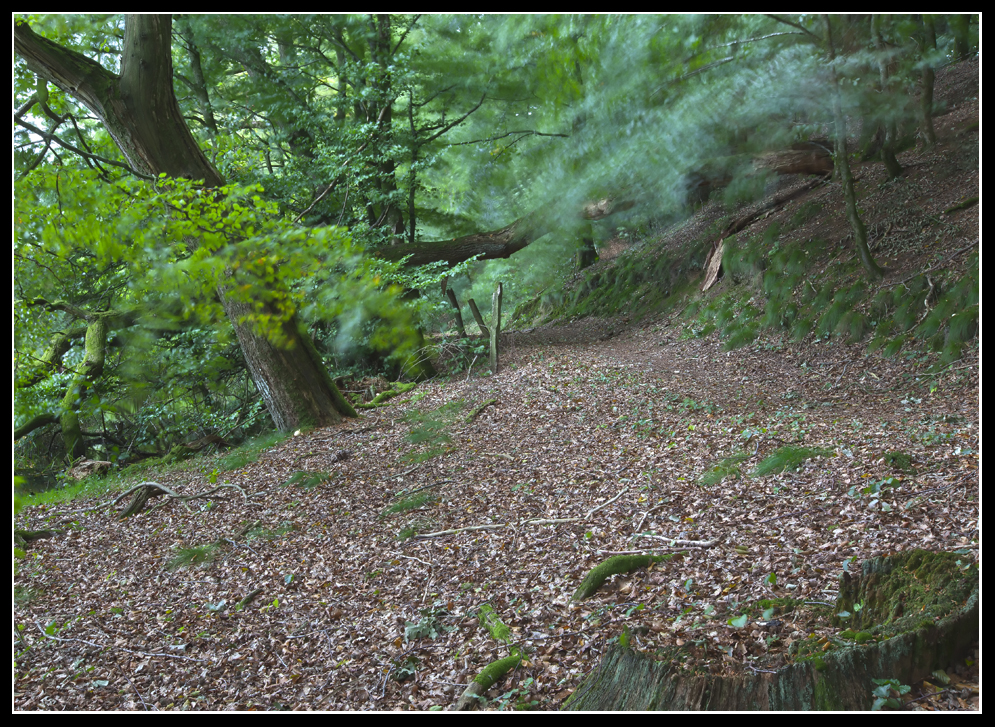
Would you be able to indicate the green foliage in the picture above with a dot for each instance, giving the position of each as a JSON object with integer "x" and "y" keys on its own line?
{"x": 740, "y": 337}
{"x": 430, "y": 430}
{"x": 306, "y": 480}
{"x": 887, "y": 694}
{"x": 197, "y": 555}
{"x": 728, "y": 467}
{"x": 430, "y": 625}
{"x": 419, "y": 499}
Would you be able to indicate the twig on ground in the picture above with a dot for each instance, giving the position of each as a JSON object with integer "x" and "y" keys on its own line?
{"x": 606, "y": 504}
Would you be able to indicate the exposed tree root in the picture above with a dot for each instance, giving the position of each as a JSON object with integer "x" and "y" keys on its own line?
{"x": 148, "y": 490}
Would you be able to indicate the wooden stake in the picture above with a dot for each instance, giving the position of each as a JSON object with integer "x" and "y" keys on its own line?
{"x": 495, "y": 327}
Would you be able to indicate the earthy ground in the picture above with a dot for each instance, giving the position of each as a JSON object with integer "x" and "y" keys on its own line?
{"x": 592, "y": 440}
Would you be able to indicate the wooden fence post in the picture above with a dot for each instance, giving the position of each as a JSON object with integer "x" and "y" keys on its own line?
{"x": 495, "y": 327}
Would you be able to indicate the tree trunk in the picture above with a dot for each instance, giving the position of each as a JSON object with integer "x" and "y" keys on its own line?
{"x": 928, "y": 76}
{"x": 960, "y": 25}
{"x": 451, "y": 294}
{"x": 495, "y": 327}
{"x": 587, "y": 255}
{"x": 889, "y": 125}
{"x": 95, "y": 343}
{"x": 140, "y": 112}
{"x": 874, "y": 272}
{"x": 478, "y": 318}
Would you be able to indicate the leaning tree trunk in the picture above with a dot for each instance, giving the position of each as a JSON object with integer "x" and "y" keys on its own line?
{"x": 138, "y": 108}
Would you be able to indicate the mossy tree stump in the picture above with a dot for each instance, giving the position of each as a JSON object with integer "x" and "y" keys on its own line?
{"x": 919, "y": 612}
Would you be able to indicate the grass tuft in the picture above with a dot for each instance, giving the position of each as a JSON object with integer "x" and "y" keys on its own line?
{"x": 893, "y": 347}
{"x": 742, "y": 337}
{"x": 857, "y": 325}
{"x": 788, "y": 457}
{"x": 963, "y": 326}
{"x": 727, "y": 467}
{"x": 198, "y": 555}
{"x": 419, "y": 499}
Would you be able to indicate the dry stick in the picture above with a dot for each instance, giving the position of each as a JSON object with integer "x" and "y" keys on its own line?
{"x": 473, "y": 414}
{"x": 497, "y": 526}
{"x": 119, "y": 648}
{"x": 173, "y": 494}
{"x": 460, "y": 530}
{"x": 672, "y": 541}
{"x": 646, "y": 514}
{"x": 125, "y": 675}
{"x": 606, "y": 504}
{"x": 651, "y": 550}
{"x": 402, "y": 493}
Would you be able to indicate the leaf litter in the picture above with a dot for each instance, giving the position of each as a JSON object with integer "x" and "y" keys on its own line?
{"x": 368, "y": 587}
{"x": 358, "y": 569}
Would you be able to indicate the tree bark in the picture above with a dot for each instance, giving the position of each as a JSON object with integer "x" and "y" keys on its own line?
{"x": 874, "y": 272}
{"x": 495, "y": 327}
{"x": 504, "y": 242}
{"x": 451, "y": 295}
{"x": 140, "y": 112}
{"x": 92, "y": 367}
{"x": 889, "y": 125}
{"x": 928, "y": 76}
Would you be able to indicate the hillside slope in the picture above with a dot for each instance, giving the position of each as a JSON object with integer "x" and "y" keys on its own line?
{"x": 348, "y": 568}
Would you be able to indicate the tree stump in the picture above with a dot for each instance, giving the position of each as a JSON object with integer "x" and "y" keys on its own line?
{"x": 918, "y": 612}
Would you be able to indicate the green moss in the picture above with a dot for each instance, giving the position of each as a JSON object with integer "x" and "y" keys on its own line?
{"x": 497, "y": 669}
{"x": 728, "y": 467}
{"x": 899, "y": 461}
{"x": 494, "y": 625}
{"x": 905, "y": 592}
{"x": 788, "y": 457}
{"x": 615, "y": 564}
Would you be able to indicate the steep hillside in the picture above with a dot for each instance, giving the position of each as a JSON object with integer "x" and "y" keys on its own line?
{"x": 792, "y": 275}
{"x": 763, "y": 437}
